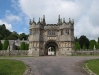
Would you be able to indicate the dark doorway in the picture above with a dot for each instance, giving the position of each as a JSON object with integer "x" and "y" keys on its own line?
{"x": 50, "y": 48}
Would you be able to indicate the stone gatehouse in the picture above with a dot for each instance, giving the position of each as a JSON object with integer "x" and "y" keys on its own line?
{"x": 51, "y": 39}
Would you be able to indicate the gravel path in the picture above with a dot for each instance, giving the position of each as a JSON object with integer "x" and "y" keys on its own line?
{"x": 52, "y": 65}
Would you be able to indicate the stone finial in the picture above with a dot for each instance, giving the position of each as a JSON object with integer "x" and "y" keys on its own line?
{"x": 33, "y": 20}
{"x": 59, "y": 17}
{"x": 43, "y": 16}
{"x": 39, "y": 19}
{"x": 69, "y": 20}
{"x": 63, "y": 20}
{"x": 30, "y": 21}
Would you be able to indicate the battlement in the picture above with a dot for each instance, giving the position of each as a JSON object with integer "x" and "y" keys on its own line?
{"x": 51, "y": 24}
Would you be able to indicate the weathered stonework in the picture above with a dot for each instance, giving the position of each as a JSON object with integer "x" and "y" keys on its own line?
{"x": 58, "y": 36}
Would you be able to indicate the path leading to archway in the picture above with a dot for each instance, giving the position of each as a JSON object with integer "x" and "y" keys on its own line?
{"x": 52, "y": 65}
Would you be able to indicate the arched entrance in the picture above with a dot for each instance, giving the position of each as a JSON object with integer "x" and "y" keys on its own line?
{"x": 50, "y": 48}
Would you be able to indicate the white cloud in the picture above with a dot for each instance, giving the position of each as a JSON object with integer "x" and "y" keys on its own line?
{"x": 8, "y": 26}
{"x": 85, "y": 27}
{"x": 12, "y": 18}
{"x": 51, "y": 9}
{"x": 20, "y": 32}
{"x": 84, "y": 12}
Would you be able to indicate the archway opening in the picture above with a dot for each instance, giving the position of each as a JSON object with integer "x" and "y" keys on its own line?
{"x": 50, "y": 49}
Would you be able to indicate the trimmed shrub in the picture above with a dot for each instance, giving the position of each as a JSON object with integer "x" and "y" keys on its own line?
{"x": 92, "y": 43}
{"x": 26, "y": 46}
{"x": 77, "y": 46}
{"x": 97, "y": 45}
{"x": 84, "y": 47}
{"x": 0, "y": 45}
{"x": 6, "y": 44}
{"x": 22, "y": 47}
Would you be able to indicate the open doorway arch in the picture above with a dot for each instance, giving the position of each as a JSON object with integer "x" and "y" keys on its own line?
{"x": 51, "y": 48}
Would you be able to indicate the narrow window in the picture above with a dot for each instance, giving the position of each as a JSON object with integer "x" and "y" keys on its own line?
{"x": 61, "y": 32}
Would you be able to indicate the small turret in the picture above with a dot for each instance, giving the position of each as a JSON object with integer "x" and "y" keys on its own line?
{"x": 63, "y": 20}
{"x": 33, "y": 20}
{"x": 39, "y": 21}
{"x": 59, "y": 20}
{"x": 44, "y": 19}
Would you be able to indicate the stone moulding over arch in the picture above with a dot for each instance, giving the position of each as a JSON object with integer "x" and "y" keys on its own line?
{"x": 48, "y": 42}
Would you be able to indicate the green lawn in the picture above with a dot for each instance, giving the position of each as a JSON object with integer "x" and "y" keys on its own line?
{"x": 11, "y": 67}
{"x": 93, "y": 65}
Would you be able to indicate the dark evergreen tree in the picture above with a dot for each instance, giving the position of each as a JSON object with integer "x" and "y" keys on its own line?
{"x": 98, "y": 39}
{"x": 83, "y": 40}
{"x": 1, "y": 37}
{"x": 76, "y": 39}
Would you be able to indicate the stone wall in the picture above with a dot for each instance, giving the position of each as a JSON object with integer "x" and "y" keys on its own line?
{"x": 14, "y": 53}
{"x": 86, "y": 52}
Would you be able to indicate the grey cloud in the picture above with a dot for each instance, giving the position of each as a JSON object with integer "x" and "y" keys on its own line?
{"x": 84, "y": 13}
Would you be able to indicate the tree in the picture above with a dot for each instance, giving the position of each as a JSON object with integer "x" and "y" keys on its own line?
{"x": 1, "y": 37}
{"x": 83, "y": 40}
{"x": 76, "y": 39}
{"x": 23, "y": 36}
{"x": 77, "y": 46}
{"x": 22, "y": 47}
{"x": 13, "y": 37}
{"x": 92, "y": 43}
{"x": 3, "y": 31}
{"x": 98, "y": 39}
{"x": 6, "y": 44}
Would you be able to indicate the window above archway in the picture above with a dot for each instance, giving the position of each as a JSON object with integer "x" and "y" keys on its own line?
{"x": 51, "y": 32}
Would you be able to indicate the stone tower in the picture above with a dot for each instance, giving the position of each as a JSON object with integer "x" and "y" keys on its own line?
{"x": 51, "y": 39}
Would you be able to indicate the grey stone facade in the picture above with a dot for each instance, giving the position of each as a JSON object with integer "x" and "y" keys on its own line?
{"x": 58, "y": 36}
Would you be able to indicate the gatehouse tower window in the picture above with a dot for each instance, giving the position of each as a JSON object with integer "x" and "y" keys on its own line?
{"x": 67, "y": 32}
{"x": 51, "y": 33}
{"x": 35, "y": 31}
{"x": 61, "y": 32}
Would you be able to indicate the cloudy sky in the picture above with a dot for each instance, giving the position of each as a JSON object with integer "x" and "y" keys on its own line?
{"x": 15, "y": 14}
